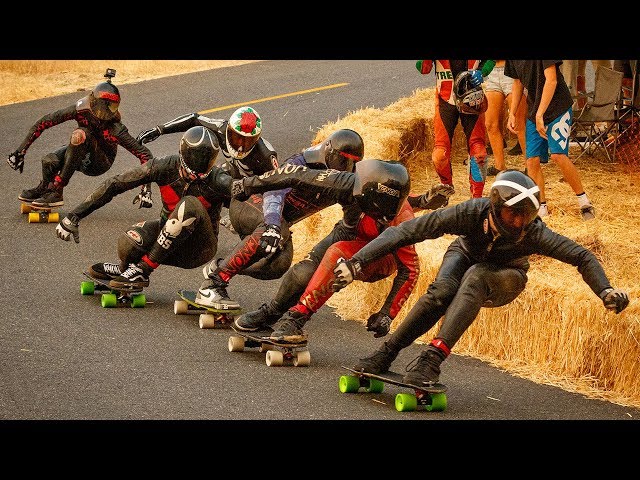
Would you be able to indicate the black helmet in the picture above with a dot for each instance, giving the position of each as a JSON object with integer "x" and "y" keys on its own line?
{"x": 198, "y": 151}
{"x": 243, "y": 132}
{"x": 469, "y": 99}
{"x": 104, "y": 101}
{"x": 340, "y": 151}
{"x": 381, "y": 187}
{"x": 514, "y": 190}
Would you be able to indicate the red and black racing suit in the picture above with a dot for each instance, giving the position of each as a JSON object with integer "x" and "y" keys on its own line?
{"x": 446, "y": 119}
{"x": 186, "y": 234}
{"x": 93, "y": 145}
{"x": 309, "y": 281}
{"x": 479, "y": 268}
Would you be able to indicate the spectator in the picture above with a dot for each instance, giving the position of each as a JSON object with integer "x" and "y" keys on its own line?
{"x": 575, "y": 74}
{"x": 497, "y": 88}
{"x": 549, "y": 116}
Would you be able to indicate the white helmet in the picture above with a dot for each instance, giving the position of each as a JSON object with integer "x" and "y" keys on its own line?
{"x": 243, "y": 132}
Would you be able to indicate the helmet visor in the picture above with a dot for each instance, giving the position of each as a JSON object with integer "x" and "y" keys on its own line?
{"x": 193, "y": 175}
{"x": 103, "y": 108}
{"x": 240, "y": 143}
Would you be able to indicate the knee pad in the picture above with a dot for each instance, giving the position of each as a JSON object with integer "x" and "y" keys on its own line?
{"x": 130, "y": 247}
{"x": 78, "y": 136}
{"x": 302, "y": 273}
{"x": 440, "y": 293}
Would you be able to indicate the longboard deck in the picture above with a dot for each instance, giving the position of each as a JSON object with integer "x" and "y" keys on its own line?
{"x": 107, "y": 286}
{"x": 113, "y": 296}
{"x": 262, "y": 336}
{"x": 38, "y": 214}
{"x": 395, "y": 378}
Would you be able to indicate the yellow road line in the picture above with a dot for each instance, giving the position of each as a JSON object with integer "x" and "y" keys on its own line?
{"x": 251, "y": 102}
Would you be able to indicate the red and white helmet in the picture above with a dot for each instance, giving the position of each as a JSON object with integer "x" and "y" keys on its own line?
{"x": 243, "y": 132}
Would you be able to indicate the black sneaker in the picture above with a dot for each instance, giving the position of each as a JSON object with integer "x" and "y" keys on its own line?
{"x": 289, "y": 327}
{"x": 31, "y": 194}
{"x": 52, "y": 197}
{"x": 425, "y": 369}
{"x": 492, "y": 171}
{"x": 136, "y": 276}
{"x": 105, "y": 271}
{"x": 259, "y": 319}
{"x": 213, "y": 293}
{"x": 379, "y": 362}
{"x": 515, "y": 150}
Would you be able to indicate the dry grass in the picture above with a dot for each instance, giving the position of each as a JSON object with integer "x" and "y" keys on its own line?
{"x": 556, "y": 332}
{"x": 24, "y": 80}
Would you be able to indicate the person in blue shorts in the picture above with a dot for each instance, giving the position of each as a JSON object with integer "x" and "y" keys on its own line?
{"x": 549, "y": 117}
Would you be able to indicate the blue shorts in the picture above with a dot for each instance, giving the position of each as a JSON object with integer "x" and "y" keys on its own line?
{"x": 558, "y": 137}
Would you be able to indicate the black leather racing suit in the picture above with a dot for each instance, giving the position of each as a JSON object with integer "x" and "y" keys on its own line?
{"x": 186, "y": 235}
{"x": 478, "y": 270}
{"x": 93, "y": 156}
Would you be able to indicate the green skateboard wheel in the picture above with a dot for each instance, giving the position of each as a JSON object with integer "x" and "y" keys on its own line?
{"x": 349, "y": 384}
{"x": 87, "y": 288}
{"x": 438, "y": 402}
{"x": 406, "y": 402}
{"x": 375, "y": 386}
{"x": 109, "y": 300}
{"x": 138, "y": 301}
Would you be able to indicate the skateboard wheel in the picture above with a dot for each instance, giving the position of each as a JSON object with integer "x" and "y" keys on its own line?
{"x": 87, "y": 288}
{"x": 438, "y": 402}
{"x": 34, "y": 217}
{"x": 375, "y": 386}
{"x": 274, "y": 358}
{"x": 207, "y": 320}
{"x": 349, "y": 384}
{"x": 236, "y": 343}
{"x": 302, "y": 358}
{"x": 53, "y": 217}
{"x": 406, "y": 402}
{"x": 24, "y": 208}
{"x": 109, "y": 300}
{"x": 180, "y": 307}
{"x": 138, "y": 301}
{"x": 265, "y": 347}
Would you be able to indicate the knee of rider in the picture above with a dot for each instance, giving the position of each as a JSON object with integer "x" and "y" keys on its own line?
{"x": 130, "y": 247}
{"x": 440, "y": 292}
{"x": 333, "y": 253}
{"x": 478, "y": 151}
{"x": 78, "y": 136}
{"x": 303, "y": 271}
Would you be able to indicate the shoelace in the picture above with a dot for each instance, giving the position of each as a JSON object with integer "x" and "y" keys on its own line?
{"x": 131, "y": 271}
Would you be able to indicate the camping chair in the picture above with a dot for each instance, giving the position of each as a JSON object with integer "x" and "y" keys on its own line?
{"x": 595, "y": 127}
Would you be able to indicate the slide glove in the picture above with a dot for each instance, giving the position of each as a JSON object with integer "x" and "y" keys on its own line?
{"x": 614, "y": 299}
{"x": 16, "y": 161}
{"x": 346, "y": 271}
{"x": 270, "y": 239}
{"x": 379, "y": 323}
{"x": 437, "y": 196}
{"x": 149, "y": 135}
{"x": 237, "y": 190}
{"x": 144, "y": 197}
{"x": 475, "y": 80}
{"x": 67, "y": 227}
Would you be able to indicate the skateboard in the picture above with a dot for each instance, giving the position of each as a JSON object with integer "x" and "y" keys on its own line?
{"x": 113, "y": 297}
{"x": 432, "y": 398}
{"x": 39, "y": 214}
{"x": 209, "y": 317}
{"x": 276, "y": 353}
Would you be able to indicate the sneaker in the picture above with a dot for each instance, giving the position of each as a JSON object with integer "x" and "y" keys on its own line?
{"x": 213, "y": 293}
{"x": 424, "y": 369}
{"x": 588, "y": 212}
{"x": 379, "y": 362}
{"x": 105, "y": 271}
{"x": 31, "y": 194}
{"x": 289, "y": 327}
{"x": 258, "y": 319}
{"x": 136, "y": 276}
{"x": 52, "y": 197}
{"x": 515, "y": 150}
{"x": 543, "y": 210}
{"x": 492, "y": 171}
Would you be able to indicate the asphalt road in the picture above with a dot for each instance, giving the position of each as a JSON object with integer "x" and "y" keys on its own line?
{"x": 63, "y": 357}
